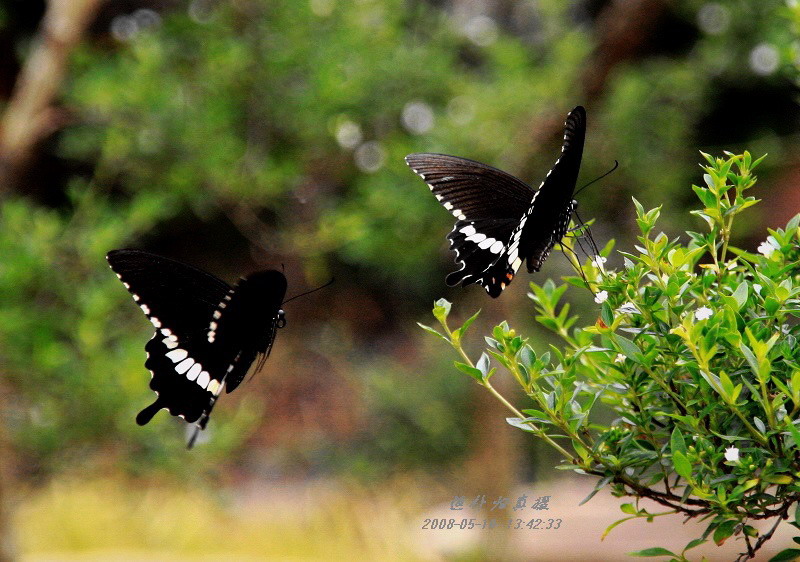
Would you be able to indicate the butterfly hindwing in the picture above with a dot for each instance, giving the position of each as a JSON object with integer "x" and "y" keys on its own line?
{"x": 208, "y": 334}
{"x": 502, "y": 221}
{"x": 184, "y": 381}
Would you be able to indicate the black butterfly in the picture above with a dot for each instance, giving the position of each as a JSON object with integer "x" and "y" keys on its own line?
{"x": 208, "y": 334}
{"x": 502, "y": 220}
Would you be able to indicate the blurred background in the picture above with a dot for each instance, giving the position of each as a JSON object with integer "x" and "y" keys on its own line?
{"x": 237, "y": 135}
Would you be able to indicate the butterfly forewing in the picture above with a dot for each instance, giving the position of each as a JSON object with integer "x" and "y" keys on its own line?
{"x": 501, "y": 220}
{"x": 173, "y": 295}
{"x": 464, "y": 187}
{"x": 548, "y": 219}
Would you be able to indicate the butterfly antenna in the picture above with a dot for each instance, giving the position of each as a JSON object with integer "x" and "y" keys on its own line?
{"x": 311, "y": 291}
{"x": 616, "y": 165}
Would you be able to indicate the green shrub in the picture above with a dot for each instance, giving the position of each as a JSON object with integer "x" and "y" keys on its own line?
{"x": 694, "y": 350}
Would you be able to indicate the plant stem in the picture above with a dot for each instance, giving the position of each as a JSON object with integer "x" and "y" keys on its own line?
{"x": 537, "y": 430}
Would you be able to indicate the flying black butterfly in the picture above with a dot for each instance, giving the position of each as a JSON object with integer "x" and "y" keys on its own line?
{"x": 208, "y": 334}
{"x": 502, "y": 220}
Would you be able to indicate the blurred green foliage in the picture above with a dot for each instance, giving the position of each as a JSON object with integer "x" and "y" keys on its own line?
{"x": 290, "y": 120}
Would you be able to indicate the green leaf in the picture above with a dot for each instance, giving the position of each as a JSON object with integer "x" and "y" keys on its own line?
{"x": 793, "y": 223}
{"x": 463, "y": 329}
{"x": 706, "y": 197}
{"x": 676, "y": 442}
{"x": 655, "y": 551}
{"x": 432, "y": 331}
{"x": 726, "y": 385}
{"x": 527, "y": 356}
{"x": 471, "y": 371}
{"x": 483, "y": 364}
{"x": 599, "y": 486}
{"x": 628, "y": 508}
{"x": 778, "y": 479}
{"x": 757, "y": 162}
{"x": 786, "y": 555}
{"x": 750, "y": 356}
{"x": 724, "y": 530}
{"x": 693, "y": 543}
{"x": 606, "y": 314}
{"x": 521, "y": 423}
{"x": 628, "y": 348}
{"x": 740, "y": 294}
{"x": 682, "y": 465}
{"x": 744, "y": 254}
{"x": 614, "y": 524}
{"x": 796, "y": 436}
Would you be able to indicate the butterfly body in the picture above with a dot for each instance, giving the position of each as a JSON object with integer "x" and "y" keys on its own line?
{"x": 208, "y": 334}
{"x": 502, "y": 221}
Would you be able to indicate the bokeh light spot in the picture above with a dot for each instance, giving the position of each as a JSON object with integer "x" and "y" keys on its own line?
{"x": 348, "y": 134}
{"x": 713, "y": 18}
{"x": 370, "y": 156}
{"x": 322, "y": 8}
{"x": 764, "y": 59}
{"x": 124, "y": 28}
{"x": 481, "y": 30}
{"x": 417, "y": 117}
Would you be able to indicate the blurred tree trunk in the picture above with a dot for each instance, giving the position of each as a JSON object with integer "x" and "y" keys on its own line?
{"x": 7, "y": 550}
{"x": 30, "y": 116}
{"x": 622, "y": 31}
{"x": 492, "y": 468}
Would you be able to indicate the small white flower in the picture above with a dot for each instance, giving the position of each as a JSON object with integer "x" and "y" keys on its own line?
{"x": 598, "y": 262}
{"x": 732, "y": 454}
{"x": 619, "y": 358}
{"x": 601, "y": 297}
{"x": 757, "y": 288}
{"x": 703, "y": 313}
{"x": 766, "y": 249}
{"x": 628, "y": 308}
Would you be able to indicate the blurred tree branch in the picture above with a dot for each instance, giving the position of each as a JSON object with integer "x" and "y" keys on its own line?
{"x": 30, "y": 116}
{"x": 621, "y": 31}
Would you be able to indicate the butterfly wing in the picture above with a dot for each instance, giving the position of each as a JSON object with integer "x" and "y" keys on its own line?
{"x": 178, "y": 300}
{"x": 548, "y": 219}
{"x": 172, "y": 295}
{"x": 488, "y": 204}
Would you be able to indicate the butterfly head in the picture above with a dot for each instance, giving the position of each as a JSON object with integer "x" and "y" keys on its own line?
{"x": 281, "y": 321}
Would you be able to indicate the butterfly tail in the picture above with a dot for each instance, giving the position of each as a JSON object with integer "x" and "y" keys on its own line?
{"x": 144, "y": 417}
